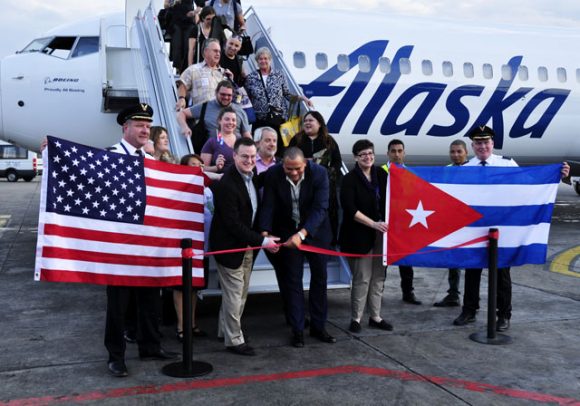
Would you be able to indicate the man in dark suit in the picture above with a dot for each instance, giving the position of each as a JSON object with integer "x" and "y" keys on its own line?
{"x": 236, "y": 206}
{"x": 295, "y": 208}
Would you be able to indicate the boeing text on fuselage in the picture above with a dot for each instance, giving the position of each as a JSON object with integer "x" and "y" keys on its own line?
{"x": 541, "y": 107}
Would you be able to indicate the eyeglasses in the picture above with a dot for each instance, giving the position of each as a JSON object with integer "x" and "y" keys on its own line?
{"x": 365, "y": 154}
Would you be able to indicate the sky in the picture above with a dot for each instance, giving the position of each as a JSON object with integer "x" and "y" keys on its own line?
{"x": 23, "y": 20}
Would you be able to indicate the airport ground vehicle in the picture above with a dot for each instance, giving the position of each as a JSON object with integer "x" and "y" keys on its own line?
{"x": 17, "y": 163}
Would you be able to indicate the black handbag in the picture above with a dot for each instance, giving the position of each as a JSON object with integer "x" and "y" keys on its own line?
{"x": 247, "y": 47}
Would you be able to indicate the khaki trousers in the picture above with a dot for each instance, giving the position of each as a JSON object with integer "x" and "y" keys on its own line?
{"x": 368, "y": 282}
{"x": 234, "y": 284}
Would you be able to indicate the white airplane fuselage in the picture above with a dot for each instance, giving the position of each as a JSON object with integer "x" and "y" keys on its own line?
{"x": 371, "y": 75}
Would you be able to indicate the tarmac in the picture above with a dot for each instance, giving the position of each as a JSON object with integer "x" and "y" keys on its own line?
{"x": 51, "y": 338}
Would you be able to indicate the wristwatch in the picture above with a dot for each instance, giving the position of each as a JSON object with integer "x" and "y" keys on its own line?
{"x": 302, "y": 237}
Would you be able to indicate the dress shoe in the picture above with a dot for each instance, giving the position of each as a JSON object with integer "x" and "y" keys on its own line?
{"x": 298, "y": 339}
{"x": 410, "y": 298}
{"x": 502, "y": 324}
{"x": 383, "y": 325}
{"x": 242, "y": 349}
{"x": 464, "y": 318}
{"x": 448, "y": 301}
{"x": 118, "y": 369}
{"x": 158, "y": 354}
{"x": 322, "y": 335}
{"x": 354, "y": 327}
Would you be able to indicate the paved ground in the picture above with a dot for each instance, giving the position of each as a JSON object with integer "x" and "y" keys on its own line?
{"x": 51, "y": 337}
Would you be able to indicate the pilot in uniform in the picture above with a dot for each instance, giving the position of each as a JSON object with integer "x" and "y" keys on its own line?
{"x": 482, "y": 144}
{"x": 118, "y": 297}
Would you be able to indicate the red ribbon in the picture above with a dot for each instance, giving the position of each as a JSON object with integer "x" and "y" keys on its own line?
{"x": 317, "y": 250}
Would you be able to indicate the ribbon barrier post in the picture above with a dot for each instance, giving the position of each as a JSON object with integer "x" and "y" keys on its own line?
{"x": 491, "y": 337}
{"x": 187, "y": 368}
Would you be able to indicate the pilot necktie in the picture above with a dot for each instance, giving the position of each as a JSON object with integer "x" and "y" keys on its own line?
{"x": 483, "y": 163}
{"x": 139, "y": 152}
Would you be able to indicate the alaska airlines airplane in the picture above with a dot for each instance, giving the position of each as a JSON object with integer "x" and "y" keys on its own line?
{"x": 371, "y": 75}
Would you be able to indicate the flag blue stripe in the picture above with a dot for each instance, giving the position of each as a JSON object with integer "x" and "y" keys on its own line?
{"x": 476, "y": 257}
{"x": 470, "y": 175}
{"x": 513, "y": 215}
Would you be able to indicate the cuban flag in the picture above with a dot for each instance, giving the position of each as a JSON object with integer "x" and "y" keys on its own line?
{"x": 439, "y": 217}
{"x": 114, "y": 219}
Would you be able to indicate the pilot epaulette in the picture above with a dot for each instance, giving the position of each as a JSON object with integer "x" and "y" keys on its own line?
{"x": 110, "y": 149}
{"x": 509, "y": 158}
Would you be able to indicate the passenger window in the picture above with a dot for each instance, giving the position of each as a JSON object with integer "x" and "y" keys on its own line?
{"x": 561, "y": 74}
{"x": 86, "y": 46}
{"x": 343, "y": 63}
{"x": 487, "y": 71}
{"x": 506, "y": 72}
{"x": 299, "y": 59}
{"x": 427, "y": 67}
{"x": 578, "y": 75}
{"x": 385, "y": 65}
{"x": 60, "y": 47}
{"x": 321, "y": 61}
{"x": 364, "y": 63}
{"x": 468, "y": 70}
{"x": 523, "y": 73}
{"x": 543, "y": 74}
{"x": 447, "y": 69}
{"x": 405, "y": 66}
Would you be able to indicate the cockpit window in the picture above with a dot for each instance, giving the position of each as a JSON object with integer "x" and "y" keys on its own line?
{"x": 64, "y": 47}
{"x": 85, "y": 46}
{"x": 37, "y": 45}
{"x": 60, "y": 47}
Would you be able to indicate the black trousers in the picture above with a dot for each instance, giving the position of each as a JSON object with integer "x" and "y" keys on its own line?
{"x": 504, "y": 291}
{"x": 118, "y": 298}
{"x": 291, "y": 271}
{"x": 406, "y": 273}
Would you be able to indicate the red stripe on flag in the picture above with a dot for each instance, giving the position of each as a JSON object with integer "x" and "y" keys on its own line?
{"x": 172, "y": 168}
{"x": 118, "y": 238}
{"x": 106, "y": 258}
{"x": 170, "y": 223}
{"x": 179, "y": 186}
{"x": 54, "y": 275}
{"x": 174, "y": 204}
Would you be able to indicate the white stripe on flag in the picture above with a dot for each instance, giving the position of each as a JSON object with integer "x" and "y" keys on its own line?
{"x": 487, "y": 195}
{"x": 114, "y": 227}
{"x": 175, "y": 195}
{"x": 509, "y": 236}
{"x": 174, "y": 214}
{"x": 174, "y": 177}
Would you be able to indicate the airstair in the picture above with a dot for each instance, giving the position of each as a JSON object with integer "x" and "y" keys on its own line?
{"x": 151, "y": 80}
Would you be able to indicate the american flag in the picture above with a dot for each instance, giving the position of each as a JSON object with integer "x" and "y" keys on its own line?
{"x": 114, "y": 219}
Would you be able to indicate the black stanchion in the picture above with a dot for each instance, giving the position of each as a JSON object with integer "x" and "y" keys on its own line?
{"x": 491, "y": 337}
{"x": 187, "y": 368}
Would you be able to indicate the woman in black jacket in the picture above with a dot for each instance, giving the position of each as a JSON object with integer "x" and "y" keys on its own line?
{"x": 362, "y": 197}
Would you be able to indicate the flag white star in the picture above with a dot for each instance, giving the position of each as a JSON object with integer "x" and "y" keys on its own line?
{"x": 419, "y": 215}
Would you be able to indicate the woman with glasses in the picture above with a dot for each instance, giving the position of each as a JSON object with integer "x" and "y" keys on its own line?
{"x": 362, "y": 196}
{"x": 206, "y": 28}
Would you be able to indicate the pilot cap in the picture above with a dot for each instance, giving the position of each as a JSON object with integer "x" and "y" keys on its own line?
{"x": 482, "y": 132}
{"x": 139, "y": 111}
